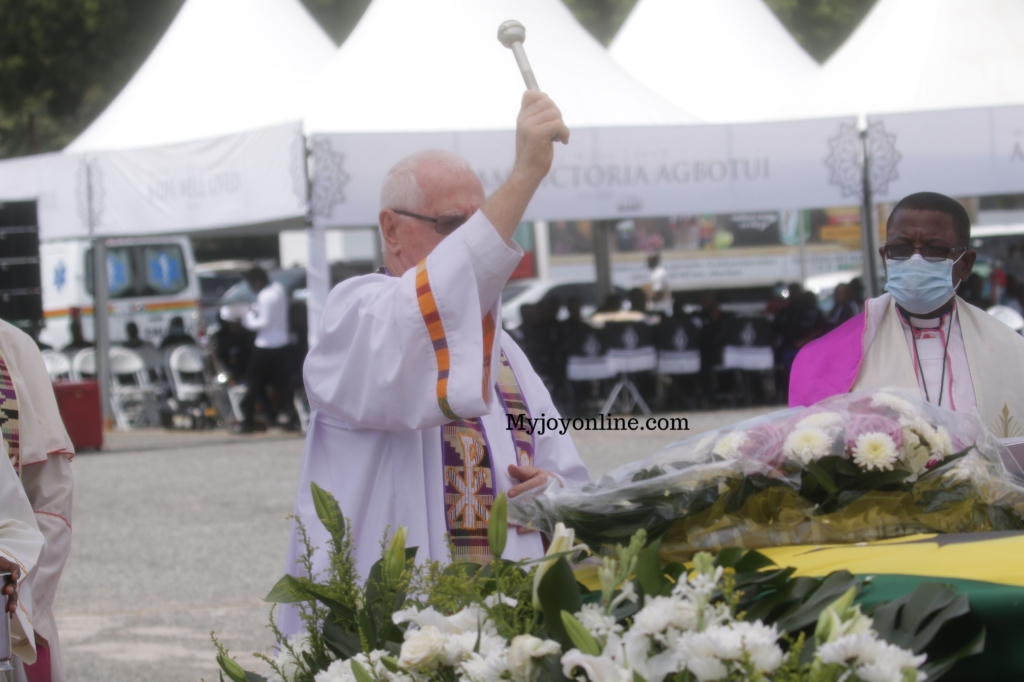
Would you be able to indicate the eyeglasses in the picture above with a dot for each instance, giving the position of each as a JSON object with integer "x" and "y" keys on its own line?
{"x": 931, "y": 253}
{"x": 445, "y": 224}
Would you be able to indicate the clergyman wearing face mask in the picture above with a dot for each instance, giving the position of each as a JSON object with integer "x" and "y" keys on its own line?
{"x": 920, "y": 336}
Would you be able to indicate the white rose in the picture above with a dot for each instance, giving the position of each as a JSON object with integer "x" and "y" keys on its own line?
{"x": 523, "y": 650}
{"x": 423, "y": 648}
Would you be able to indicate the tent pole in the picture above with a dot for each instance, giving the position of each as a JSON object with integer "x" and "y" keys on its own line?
{"x": 869, "y": 233}
{"x": 542, "y": 248}
{"x": 100, "y": 307}
{"x": 318, "y": 272}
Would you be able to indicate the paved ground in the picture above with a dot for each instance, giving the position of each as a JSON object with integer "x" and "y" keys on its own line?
{"x": 178, "y": 534}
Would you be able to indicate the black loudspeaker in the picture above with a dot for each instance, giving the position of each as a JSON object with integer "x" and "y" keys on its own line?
{"x": 21, "y": 294}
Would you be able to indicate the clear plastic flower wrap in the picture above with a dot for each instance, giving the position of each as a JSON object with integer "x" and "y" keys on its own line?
{"x": 855, "y": 467}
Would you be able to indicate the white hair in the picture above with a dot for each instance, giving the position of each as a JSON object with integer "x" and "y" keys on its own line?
{"x": 401, "y": 188}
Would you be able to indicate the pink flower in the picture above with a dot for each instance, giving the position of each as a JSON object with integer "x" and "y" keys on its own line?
{"x": 764, "y": 442}
{"x": 873, "y": 423}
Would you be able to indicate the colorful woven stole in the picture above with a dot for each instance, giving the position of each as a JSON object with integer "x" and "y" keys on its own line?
{"x": 468, "y": 475}
{"x": 9, "y": 424}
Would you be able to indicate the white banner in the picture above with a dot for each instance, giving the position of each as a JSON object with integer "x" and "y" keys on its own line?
{"x": 615, "y": 172}
{"x": 52, "y": 180}
{"x": 961, "y": 152}
{"x": 243, "y": 179}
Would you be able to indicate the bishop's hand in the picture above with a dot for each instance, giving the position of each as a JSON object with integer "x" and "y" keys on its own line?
{"x": 10, "y": 587}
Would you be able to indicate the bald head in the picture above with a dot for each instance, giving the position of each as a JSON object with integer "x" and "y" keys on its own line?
{"x": 432, "y": 184}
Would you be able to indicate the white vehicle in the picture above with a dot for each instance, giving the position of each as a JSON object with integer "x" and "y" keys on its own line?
{"x": 150, "y": 282}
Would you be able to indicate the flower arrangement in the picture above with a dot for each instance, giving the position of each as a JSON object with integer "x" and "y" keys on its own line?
{"x": 855, "y": 467}
{"x": 734, "y": 617}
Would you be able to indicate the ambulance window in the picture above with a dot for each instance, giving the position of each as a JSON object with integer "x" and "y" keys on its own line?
{"x": 165, "y": 269}
{"x": 120, "y": 273}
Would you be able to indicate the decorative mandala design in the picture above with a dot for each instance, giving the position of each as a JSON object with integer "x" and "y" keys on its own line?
{"x": 329, "y": 178}
{"x": 297, "y": 167}
{"x": 845, "y": 155}
{"x": 883, "y": 158}
{"x": 844, "y": 162}
{"x": 90, "y": 213}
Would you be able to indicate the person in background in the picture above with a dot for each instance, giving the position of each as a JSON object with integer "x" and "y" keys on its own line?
{"x": 78, "y": 341}
{"x": 857, "y": 292}
{"x": 657, "y": 288}
{"x": 796, "y": 326}
{"x": 1011, "y": 298}
{"x": 712, "y": 344}
{"x": 133, "y": 341}
{"x": 972, "y": 292}
{"x": 268, "y": 364}
{"x": 843, "y": 308}
{"x": 176, "y": 335}
{"x": 40, "y": 451}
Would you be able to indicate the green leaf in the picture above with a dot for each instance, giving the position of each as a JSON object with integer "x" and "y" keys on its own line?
{"x": 231, "y": 668}
{"x": 359, "y": 672}
{"x": 805, "y": 611}
{"x": 637, "y": 677}
{"x": 328, "y": 511}
{"x": 344, "y": 643}
{"x": 390, "y": 664}
{"x": 497, "y": 527}
{"x": 648, "y": 569}
{"x": 559, "y": 592}
{"x": 752, "y": 561}
{"x": 288, "y": 590}
{"x": 823, "y": 477}
{"x": 579, "y": 635}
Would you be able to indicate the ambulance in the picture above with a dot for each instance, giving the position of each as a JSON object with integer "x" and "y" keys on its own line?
{"x": 150, "y": 281}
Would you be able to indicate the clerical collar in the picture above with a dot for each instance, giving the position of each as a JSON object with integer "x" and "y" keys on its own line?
{"x": 925, "y": 321}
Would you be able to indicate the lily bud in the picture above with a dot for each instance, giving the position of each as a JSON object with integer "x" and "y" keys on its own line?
{"x": 497, "y": 527}
{"x": 703, "y": 563}
{"x": 394, "y": 557}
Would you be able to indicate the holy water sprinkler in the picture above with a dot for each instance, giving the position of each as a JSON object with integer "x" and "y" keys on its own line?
{"x": 511, "y": 34}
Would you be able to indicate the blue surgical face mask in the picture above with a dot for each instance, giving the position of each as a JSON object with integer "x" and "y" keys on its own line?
{"x": 919, "y": 286}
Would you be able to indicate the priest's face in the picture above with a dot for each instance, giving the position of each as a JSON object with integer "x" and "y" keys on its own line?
{"x": 930, "y": 230}
{"x": 448, "y": 195}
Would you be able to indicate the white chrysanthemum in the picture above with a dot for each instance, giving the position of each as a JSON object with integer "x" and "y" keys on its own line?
{"x": 592, "y": 617}
{"x": 859, "y": 647}
{"x": 479, "y": 668}
{"x": 807, "y": 444}
{"x": 894, "y": 402}
{"x": 698, "y": 654}
{"x": 661, "y": 613}
{"x": 760, "y": 644}
{"x": 821, "y": 420}
{"x": 338, "y": 671}
{"x": 729, "y": 445}
{"x": 522, "y": 652}
{"x": 286, "y": 661}
{"x": 889, "y": 662}
{"x": 423, "y": 648}
{"x": 875, "y": 451}
{"x": 943, "y": 442}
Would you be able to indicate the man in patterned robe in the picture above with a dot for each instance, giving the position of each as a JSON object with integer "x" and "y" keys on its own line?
{"x": 413, "y": 385}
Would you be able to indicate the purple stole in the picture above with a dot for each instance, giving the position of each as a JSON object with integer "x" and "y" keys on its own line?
{"x": 469, "y": 489}
{"x": 828, "y": 366}
{"x": 9, "y": 424}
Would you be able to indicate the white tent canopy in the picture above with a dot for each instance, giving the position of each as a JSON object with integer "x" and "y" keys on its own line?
{"x": 918, "y": 55}
{"x": 222, "y": 67}
{"x": 723, "y": 60}
{"x": 418, "y": 66}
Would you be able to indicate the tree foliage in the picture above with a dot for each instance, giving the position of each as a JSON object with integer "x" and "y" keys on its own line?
{"x": 63, "y": 61}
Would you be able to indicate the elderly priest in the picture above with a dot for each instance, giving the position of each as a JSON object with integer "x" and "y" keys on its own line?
{"x": 413, "y": 384}
{"x": 920, "y": 335}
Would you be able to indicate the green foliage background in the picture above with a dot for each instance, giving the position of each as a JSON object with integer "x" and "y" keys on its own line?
{"x": 63, "y": 61}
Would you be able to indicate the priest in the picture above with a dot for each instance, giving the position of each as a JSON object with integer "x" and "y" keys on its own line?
{"x": 920, "y": 336}
{"x": 40, "y": 451}
{"x": 417, "y": 395}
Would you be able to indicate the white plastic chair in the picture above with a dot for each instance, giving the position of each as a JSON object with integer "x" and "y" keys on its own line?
{"x": 132, "y": 396}
{"x": 187, "y": 373}
{"x": 83, "y": 364}
{"x": 58, "y": 366}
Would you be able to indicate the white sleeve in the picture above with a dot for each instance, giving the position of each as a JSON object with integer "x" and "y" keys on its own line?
{"x": 258, "y": 317}
{"x": 552, "y": 450}
{"x": 416, "y": 351}
{"x": 49, "y": 488}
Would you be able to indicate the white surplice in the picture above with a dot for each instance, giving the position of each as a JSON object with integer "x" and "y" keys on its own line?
{"x": 372, "y": 381}
{"x": 45, "y": 470}
{"x": 20, "y": 542}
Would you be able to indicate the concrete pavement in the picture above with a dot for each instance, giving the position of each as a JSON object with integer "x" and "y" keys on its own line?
{"x": 179, "y": 533}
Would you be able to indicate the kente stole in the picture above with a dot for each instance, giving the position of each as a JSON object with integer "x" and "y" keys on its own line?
{"x": 469, "y": 488}
{"x": 9, "y": 424}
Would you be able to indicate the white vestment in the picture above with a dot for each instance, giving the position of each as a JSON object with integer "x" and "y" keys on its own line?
{"x": 20, "y": 542}
{"x": 379, "y": 391}
{"x": 45, "y": 453}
